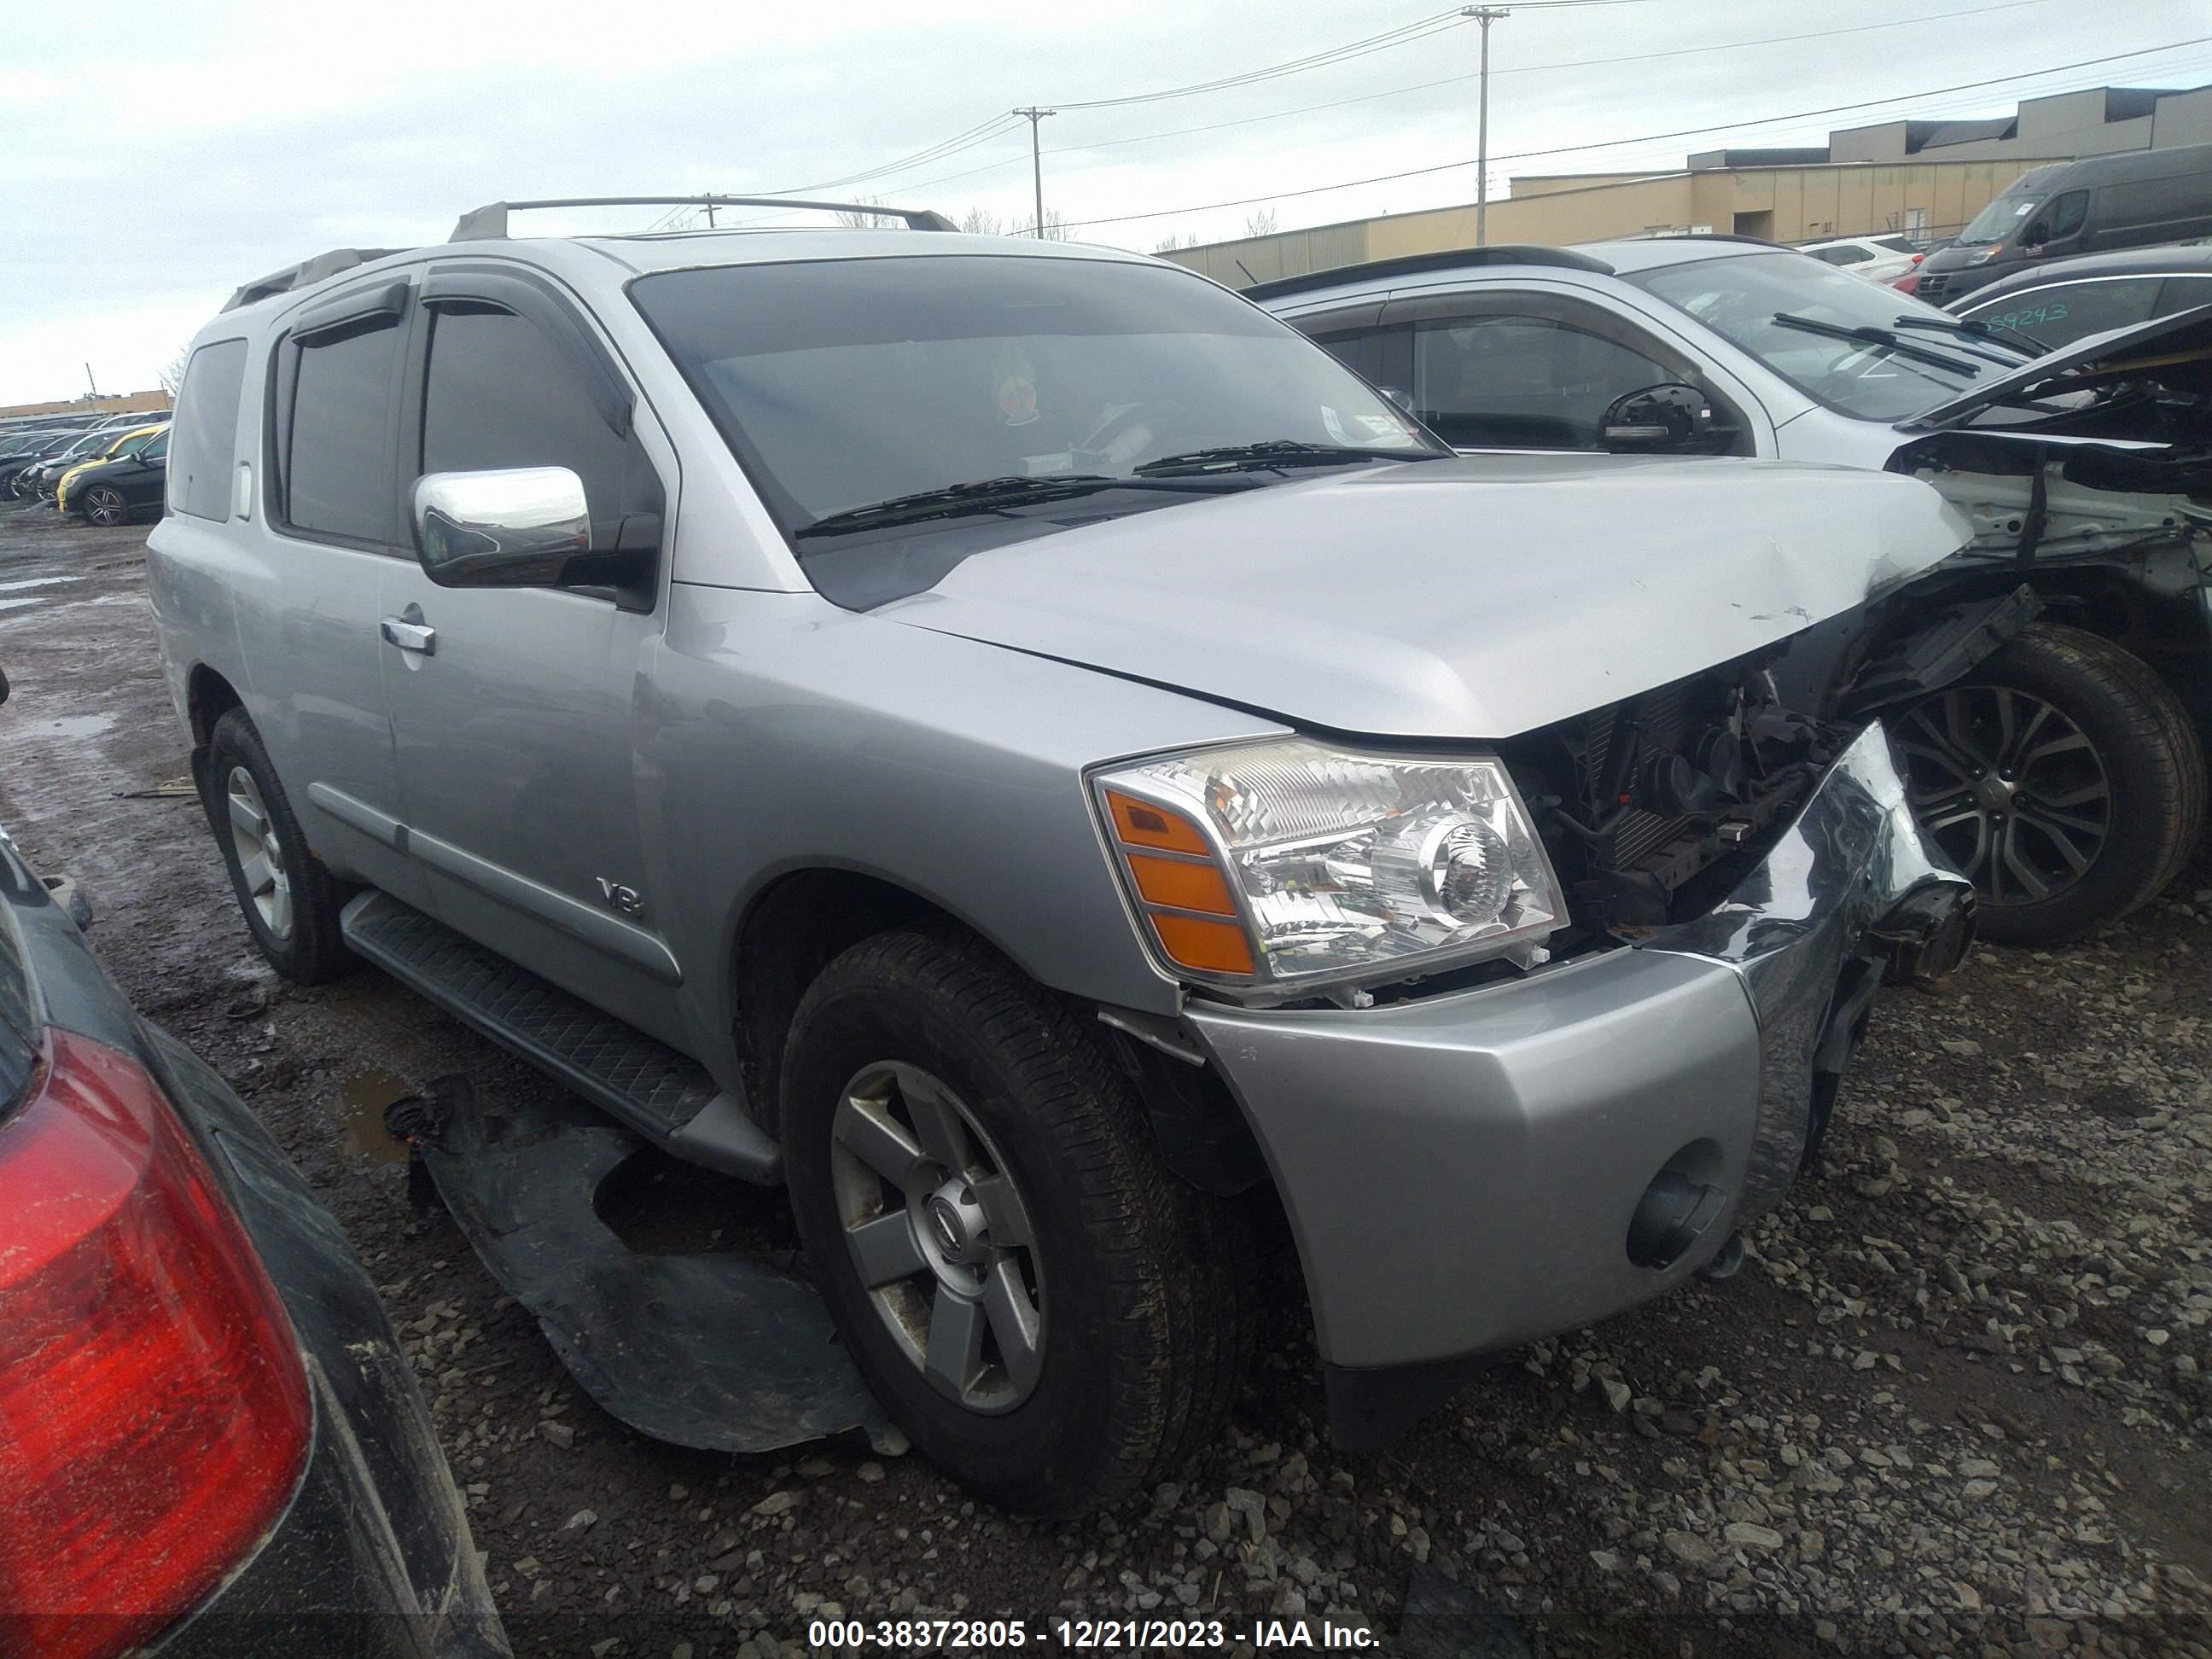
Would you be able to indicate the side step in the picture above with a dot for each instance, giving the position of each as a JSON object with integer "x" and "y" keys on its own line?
{"x": 660, "y": 1093}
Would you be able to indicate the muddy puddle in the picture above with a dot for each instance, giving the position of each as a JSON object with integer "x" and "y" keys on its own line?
{"x": 358, "y": 1109}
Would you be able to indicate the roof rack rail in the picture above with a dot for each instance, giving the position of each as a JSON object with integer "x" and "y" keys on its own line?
{"x": 1503, "y": 253}
{"x": 306, "y": 273}
{"x": 489, "y": 223}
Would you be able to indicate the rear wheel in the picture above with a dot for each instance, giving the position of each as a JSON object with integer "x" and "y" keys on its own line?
{"x": 103, "y": 504}
{"x": 1053, "y": 1319}
{"x": 290, "y": 902}
{"x": 2062, "y": 777}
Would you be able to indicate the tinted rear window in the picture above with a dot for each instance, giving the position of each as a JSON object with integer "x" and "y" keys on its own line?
{"x": 339, "y": 464}
{"x": 206, "y": 424}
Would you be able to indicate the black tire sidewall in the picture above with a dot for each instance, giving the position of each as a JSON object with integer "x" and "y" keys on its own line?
{"x": 315, "y": 952}
{"x": 2147, "y": 755}
{"x": 1037, "y": 1457}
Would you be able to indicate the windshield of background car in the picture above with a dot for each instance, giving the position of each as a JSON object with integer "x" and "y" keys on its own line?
{"x": 1999, "y": 219}
{"x": 843, "y": 383}
{"x": 1739, "y": 298}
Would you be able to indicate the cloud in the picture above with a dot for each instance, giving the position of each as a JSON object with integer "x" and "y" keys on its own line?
{"x": 199, "y": 146}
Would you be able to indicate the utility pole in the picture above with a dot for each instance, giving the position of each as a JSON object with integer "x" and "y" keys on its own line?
{"x": 710, "y": 213}
{"x": 1484, "y": 16}
{"x": 90, "y": 382}
{"x": 1036, "y": 160}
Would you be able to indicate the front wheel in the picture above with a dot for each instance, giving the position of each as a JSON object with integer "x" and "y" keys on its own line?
{"x": 103, "y": 504}
{"x": 1053, "y": 1320}
{"x": 2062, "y": 778}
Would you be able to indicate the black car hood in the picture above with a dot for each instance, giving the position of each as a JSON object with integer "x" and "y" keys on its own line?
{"x": 2173, "y": 351}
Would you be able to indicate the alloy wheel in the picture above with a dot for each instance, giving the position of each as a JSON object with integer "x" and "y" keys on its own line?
{"x": 103, "y": 505}
{"x": 940, "y": 1236}
{"x": 2010, "y": 786}
{"x": 260, "y": 854}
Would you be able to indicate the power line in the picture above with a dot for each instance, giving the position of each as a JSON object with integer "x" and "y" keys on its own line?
{"x": 1400, "y": 36}
{"x": 1649, "y": 138}
{"x": 1457, "y": 80}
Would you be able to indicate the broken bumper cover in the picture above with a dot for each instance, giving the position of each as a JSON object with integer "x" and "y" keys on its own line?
{"x": 1462, "y": 1172}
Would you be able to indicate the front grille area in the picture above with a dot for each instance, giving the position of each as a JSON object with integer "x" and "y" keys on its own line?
{"x": 1646, "y": 805}
{"x": 1933, "y": 285}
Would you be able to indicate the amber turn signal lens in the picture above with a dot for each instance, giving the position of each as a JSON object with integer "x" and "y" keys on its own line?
{"x": 1212, "y": 947}
{"x": 1140, "y": 823}
{"x": 1180, "y": 885}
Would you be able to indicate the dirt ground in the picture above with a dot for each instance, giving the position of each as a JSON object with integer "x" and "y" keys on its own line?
{"x": 1956, "y": 1401}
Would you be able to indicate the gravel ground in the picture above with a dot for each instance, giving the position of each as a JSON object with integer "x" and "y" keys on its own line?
{"x": 1955, "y": 1402}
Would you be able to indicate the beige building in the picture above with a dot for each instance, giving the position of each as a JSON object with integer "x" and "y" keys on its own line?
{"x": 130, "y": 402}
{"x": 1923, "y": 179}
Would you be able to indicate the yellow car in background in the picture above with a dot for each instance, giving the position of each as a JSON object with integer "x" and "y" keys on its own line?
{"x": 126, "y": 445}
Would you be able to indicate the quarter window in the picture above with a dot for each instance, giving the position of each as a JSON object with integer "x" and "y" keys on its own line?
{"x": 338, "y": 463}
{"x": 206, "y": 425}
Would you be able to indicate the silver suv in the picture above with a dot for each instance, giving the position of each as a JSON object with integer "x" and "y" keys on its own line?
{"x": 1025, "y": 750}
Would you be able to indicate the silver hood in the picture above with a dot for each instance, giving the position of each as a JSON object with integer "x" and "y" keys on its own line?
{"x": 1475, "y": 598}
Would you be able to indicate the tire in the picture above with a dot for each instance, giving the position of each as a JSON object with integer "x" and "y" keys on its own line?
{"x": 1139, "y": 1286}
{"x": 2062, "y": 777}
{"x": 290, "y": 901}
{"x": 103, "y": 505}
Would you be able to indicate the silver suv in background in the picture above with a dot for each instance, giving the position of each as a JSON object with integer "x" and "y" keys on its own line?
{"x": 1024, "y": 749}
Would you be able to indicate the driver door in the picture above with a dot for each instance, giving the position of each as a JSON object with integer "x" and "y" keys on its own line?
{"x": 512, "y": 708}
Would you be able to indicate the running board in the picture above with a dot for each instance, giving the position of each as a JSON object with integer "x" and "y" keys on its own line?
{"x": 666, "y": 1095}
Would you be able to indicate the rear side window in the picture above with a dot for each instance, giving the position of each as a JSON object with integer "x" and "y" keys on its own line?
{"x": 19, "y": 1026}
{"x": 499, "y": 394}
{"x": 206, "y": 425}
{"x": 336, "y": 454}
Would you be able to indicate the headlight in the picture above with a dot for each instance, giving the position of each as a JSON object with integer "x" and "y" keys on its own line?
{"x": 1285, "y": 865}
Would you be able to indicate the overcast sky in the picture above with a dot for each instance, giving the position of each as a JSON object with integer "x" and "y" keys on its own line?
{"x": 157, "y": 155}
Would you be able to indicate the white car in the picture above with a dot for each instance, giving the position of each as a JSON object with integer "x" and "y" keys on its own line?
{"x": 1877, "y": 259}
{"x": 2084, "y": 471}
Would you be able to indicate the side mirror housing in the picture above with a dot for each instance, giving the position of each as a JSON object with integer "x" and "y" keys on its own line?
{"x": 2035, "y": 235}
{"x": 528, "y": 527}
{"x": 1671, "y": 418}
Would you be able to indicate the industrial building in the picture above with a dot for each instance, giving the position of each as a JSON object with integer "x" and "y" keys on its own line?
{"x": 1922, "y": 179}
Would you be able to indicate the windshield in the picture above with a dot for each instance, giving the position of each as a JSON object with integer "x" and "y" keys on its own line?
{"x": 1741, "y": 298}
{"x": 1997, "y": 222}
{"x": 846, "y": 384}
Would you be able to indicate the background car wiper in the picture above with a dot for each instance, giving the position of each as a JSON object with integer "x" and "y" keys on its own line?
{"x": 980, "y": 495}
{"x": 1271, "y": 453}
{"x": 1982, "y": 332}
{"x": 1879, "y": 336}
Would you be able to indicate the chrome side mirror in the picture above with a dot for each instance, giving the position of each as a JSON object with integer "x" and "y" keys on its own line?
{"x": 517, "y": 527}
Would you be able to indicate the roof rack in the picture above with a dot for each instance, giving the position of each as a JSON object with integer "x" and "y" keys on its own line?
{"x": 307, "y": 273}
{"x": 1503, "y": 253}
{"x": 489, "y": 223}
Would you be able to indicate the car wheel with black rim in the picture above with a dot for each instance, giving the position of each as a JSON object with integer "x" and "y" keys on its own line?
{"x": 2062, "y": 777}
{"x": 103, "y": 504}
{"x": 290, "y": 901}
{"x": 1054, "y": 1319}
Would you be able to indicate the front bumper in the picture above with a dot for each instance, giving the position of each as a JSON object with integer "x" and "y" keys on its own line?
{"x": 1461, "y": 1172}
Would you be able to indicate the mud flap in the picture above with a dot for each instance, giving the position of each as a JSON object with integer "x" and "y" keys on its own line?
{"x": 720, "y": 1351}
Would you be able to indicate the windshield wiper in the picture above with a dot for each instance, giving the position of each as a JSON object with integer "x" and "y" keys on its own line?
{"x": 1978, "y": 331}
{"x": 1270, "y": 453}
{"x": 1869, "y": 335}
{"x": 980, "y": 495}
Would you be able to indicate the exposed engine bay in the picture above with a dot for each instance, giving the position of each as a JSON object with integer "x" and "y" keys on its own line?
{"x": 1652, "y": 808}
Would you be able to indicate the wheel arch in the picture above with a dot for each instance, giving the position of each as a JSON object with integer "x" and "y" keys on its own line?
{"x": 802, "y": 918}
{"x": 207, "y": 697}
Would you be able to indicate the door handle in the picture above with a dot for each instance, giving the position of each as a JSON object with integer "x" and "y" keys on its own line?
{"x": 409, "y": 635}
